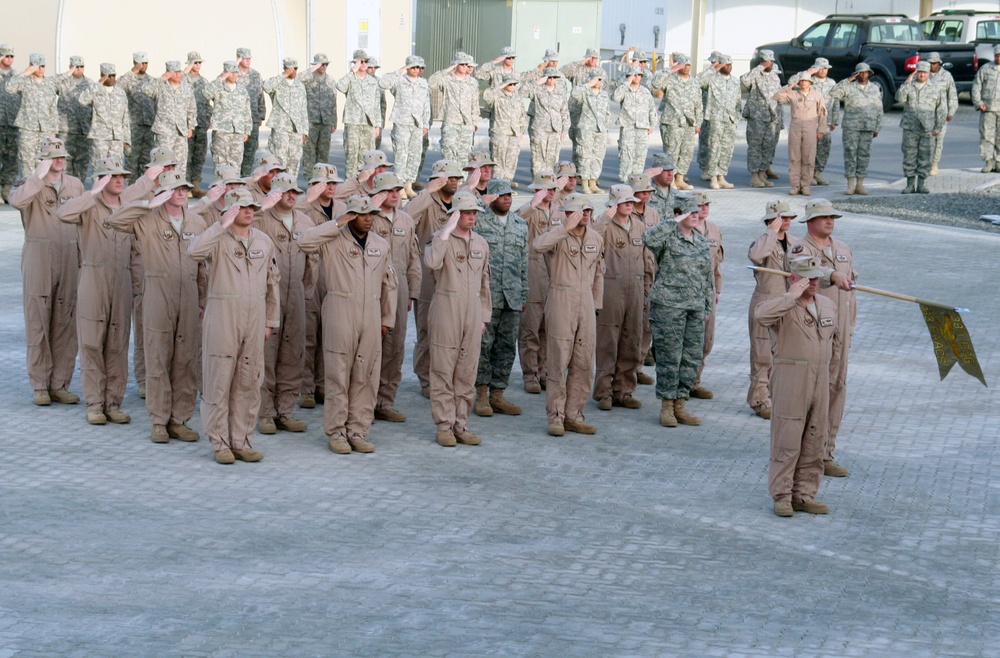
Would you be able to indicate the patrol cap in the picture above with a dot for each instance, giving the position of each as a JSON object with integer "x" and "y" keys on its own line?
{"x": 806, "y": 267}
{"x": 619, "y": 194}
{"x": 575, "y": 202}
{"x": 701, "y": 198}
{"x": 6, "y": 50}
{"x": 714, "y": 56}
{"x": 597, "y": 73}
{"x": 509, "y": 79}
{"x": 414, "y": 60}
{"x": 934, "y": 57}
{"x": 479, "y": 159}
{"x": 862, "y": 67}
{"x": 680, "y": 58}
{"x": 767, "y": 55}
{"x": 284, "y": 182}
{"x": 463, "y": 58}
{"x": 499, "y": 186}
{"x": 323, "y": 172}
{"x": 375, "y": 158}
{"x": 230, "y": 66}
{"x": 724, "y": 59}
{"x": 777, "y": 208}
{"x": 162, "y": 155}
{"x": 640, "y": 56}
{"x": 684, "y": 204}
{"x": 592, "y": 52}
{"x": 551, "y": 55}
{"x": 634, "y": 70}
{"x": 373, "y": 63}
{"x": 320, "y": 58}
{"x": 465, "y": 200}
{"x": 242, "y": 198}
{"x": 36, "y": 59}
{"x": 52, "y": 148}
{"x": 290, "y": 63}
{"x": 108, "y": 69}
{"x": 139, "y": 57}
{"x": 359, "y": 55}
{"x": 923, "y": 66}
{"x": 171, "y": 180}
{"x": 174, "y": 66}
{"x": 819, "y": 208}
{"x": 386, "y": 181}
{"x": 76, "y": 60}
{"x": 507, "y": 52}
{"x": 565, "y": 169}
{"x": 640, "y": 183}
{"x": 446, "y": 169}
{"x": 664, "y": 161}
{"x": 194, "y": 57}
{"x": 996, "y": 49}
{"x": 228, "y": 175}
{"x": 360, "y": 204}
{"x": 821, "y": 63}
{"x": 243, "y": 53}
{"x": 551, "y": 72}
{"x": 544, "y": 180}
{"x": 109, "y": 166}
{"x": 272, "y": 162}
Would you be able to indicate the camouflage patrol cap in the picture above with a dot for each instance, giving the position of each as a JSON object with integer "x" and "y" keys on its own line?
{"x": 465, "y": 200}
{"x": 724, "y": 59}
{"x": 414, "y": 60}
{"x": 640, "y": 56}
{"x": 640, "y": 183}
{"x": 140, "y": 57}
{"x": 479, "y": 159}
{"x": 228, "y": 175}
{"x": 174, "y": 66}
{"x": 714, "y": 56}
{"x": 243, "y": 53}
{"x": 359, "y": 55}
{"x": 290, "y": 63}
{"x": 507, "y": 52}
{"x": 806, "y": 267}
{"x": 52, "y": 148}
{"x": 108, "y": 69}
{"x": 284, "y": 182}
{"x": 463, "y": 58}
{"x": 171, "y": 180}
{"x": 862, "y": 67}
{"x": 373, "y": 63}
{"x": 767, "y": 55}
{"x": 821, "y": 63}
{"x": 194, "y": 57}
{"x": 551, "y": 72}
{"x": 162, "y": 155}
{"x": 620, "y": 194}
{"x": 6, "y": 50}
{"x": 551, "y": 55}
{"x": 592, "y": 52}
{"x": 680, "y": 58}
{"x": 777, "y": 208}
{"x": 684, "y": 204}
{"x": 635, "y": 70}
{"x": 664, "y": 161}
{"x": 509, "y": 79}
{"x": 360, "y": 204}
{"x": 923, "y": 66}
{"x": 499, "y": 186}
{"x": 386, "y": 181}
{"x": 564, "y": 168}
{"x": 320, "y": 58}
{"x": 230, "y": 66}
{"x": 76, "y": 60}
{"x": 110, "y": 166}
{"x": 934, "y": 58}
{"x": 819, "y": 208}
{"x": 575, "y": 202}
{"x": 544, "y": 180}
{"x": 374, "y": 158}
{"x": 446, "y": 169}
{"x": 240, "y": 197}
{"x": 36, "y": 59}
{"x": 323, "y": 172}
{"x": 597, "y": 73}
{"x": 271, "y": 162}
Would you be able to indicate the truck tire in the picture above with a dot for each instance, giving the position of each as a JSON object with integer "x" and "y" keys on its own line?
{"x": 888, "y": 95}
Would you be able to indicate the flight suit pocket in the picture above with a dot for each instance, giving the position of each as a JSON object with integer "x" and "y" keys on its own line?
{"x": 247, "y": 374}
{"x": 789, "y": 389}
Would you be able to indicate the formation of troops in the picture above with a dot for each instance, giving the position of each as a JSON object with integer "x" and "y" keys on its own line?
{"x": 261, "y": 295}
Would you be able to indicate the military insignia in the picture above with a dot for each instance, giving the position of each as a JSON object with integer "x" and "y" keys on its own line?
{"x": 637, "y": 242}
{"x": 809, "y": 321}
{"x": 460, "y": 258}
{"x": 554, "y": 221}
{"x": 590, "y": 248}
{"x": 573, "y": 251}
{"x": 168, "y": 234}
{"x": 239, "y": 253}
{"x": 841, "y": 258}
{"x": 797, "y": 249}
{"x": 619, "y": 242}
{"x": 826, "y": 322}
{"x": 383, "y": 232}
{"x": 106, "y": 224}
{"x": 187, "y": 235}
{"x": 282, "y": 237}
{"x": 374, "y": 251}
{"x": 255, "y": 253}
{"x": 50, "y": 202}
{"x": 476, "y": 253}
{"x": 353, "y": 252}
{"x": 399, "y": 231}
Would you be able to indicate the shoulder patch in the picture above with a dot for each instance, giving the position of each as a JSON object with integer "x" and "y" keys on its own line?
{"x": 797, "y": 249}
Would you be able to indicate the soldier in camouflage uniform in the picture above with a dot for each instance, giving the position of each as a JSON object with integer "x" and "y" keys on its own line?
{"x": 823, "y": 84}
{"x": 637, "y": 118}
{"x": 411, "y": 118}
{"x": 593, "y": 122}
{"x": 986, "y": 99}
{"x": 496, "y": 70}
{"x": 110, "y": 127}
{"x": 36, "y": 119}
{"x": 680, "y": 114}
{"x": 253, "y": 82}
{"x": 764, "y": 118}
{"x": 944, "y": 80}
{"x": 289, "y": 120}
{"x": 321, "y": 99}
{"x": 383, "y": 106}
{"x": 712, "y": 68}
{"x": 723, "y": 109}
{"x": 662, "y": 176}
{"x": 362, "y": 115}
{"x": 142, "y": 113}
{"x": 507, "y": 235}
{"x": 459, "y": 107}
{"x": 74, "y": 116}
{"x": 862, "y": 122}
{"x": 924, "y": 112}
{"x": 508, "y": 122}
{"x": 198, "y": 146}
{"x": 578, "y": 73}
{"x": 176, "y": 111}
{"x": 232, "y": 118}
{"x": 9, "y": 105}
{"x": 548, "y": 115}
{"x": 681, "y": 297}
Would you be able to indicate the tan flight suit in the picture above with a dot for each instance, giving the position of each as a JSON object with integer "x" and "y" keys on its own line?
{"x": 49, "y": 267}
{"x": 531, "y": 332}
{"x": 765, "y": 251}
{"x": 212, "y": 213}
{"x": 429, "y": 215}
{"x": 650, "y": 216}
{"x": 804, "y": 346}
{"x": 576, "y": 292}
{"x": 143, "y": 189}
{"x": 460, "y": 273}
{"x": 808, "y": 118}
{"x": 173, "y": 293}
{"x": 713, "y": 234}
{"x": 284, "y": 350}
{"x": 104, "y": 300}
{"x": 353, "y": 186}
{"x": 405, "y": 254}
{"x": 242, "y": 301}
{"x": 619, "y": 326}
{"x": 838, "y": 258}
{"x": 360, "y": 300}
{"x": 313, "y": 371}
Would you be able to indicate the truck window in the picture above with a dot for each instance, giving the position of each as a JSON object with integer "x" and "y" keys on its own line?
{"x": 950, "y": 31}
{"x": 845, "y": 36}
{"x": 988, "y": 30}
{"x": 816, "y": 35}
{"x": 895, "y": 32}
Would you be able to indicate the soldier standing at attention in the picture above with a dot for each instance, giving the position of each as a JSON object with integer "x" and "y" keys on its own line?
{"x": 37, "y": 119}
{"x": 458, "y": 262}
{"x": 824, "y": 85}
{"x": 232, "y": 120}
{"x": 862, "y": 123}
{"x": 74, "y": 116}
{"x": 459, "y": 107}
{"x": 259, "y": 184}
{"x": 176, "y": 111}
{"x": 680, "y": 114}
{"x": 837, "y": 283}
{"x": 576, "y": 292}
{"x": 681, "y": 297}
{"x": 549, "y": 118}
{"x": 289, "y": 119}
{"x": 713, "y": 234}
{"x": 104, "y": 300}
{"x": 198, "y": 144}
{"x": 508, "y": 122}
{"x": 923, "y": 119}
{"x": 637, "y": 118}
{"x": 944, "y": 80}
{"x": 593, "y": 119}
{"x": 358, "y": 313}
{"x": 497, "y": 69}
{"x": 702, "y": 78}
{"x": 578, "y": 73}
{"x": 110, "y": 127}
{"x": 173, "y": 296}
{"x": 321, "y": 105}
{"x": 506, "y": 233}
{"x": 241, "y": 313}
{"x": 808, "y": 125}
{"x": 804, "y": 331}
{"x": 411, "y": 118}
{"x": 723, "y": 109}
{"x": 986, "y": 99}
{"x": 142, "y": 113}
{"x": 643, "y": 188}
{"x": 362, "y": 115}
{"x": 10, "y": 103}
{"x": 253, "y": 83}
{"x": 49, "y": 271}
{"x": 764, "y": 118}
{"x": 661, "y": 176}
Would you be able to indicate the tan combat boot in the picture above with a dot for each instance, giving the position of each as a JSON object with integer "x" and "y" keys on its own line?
{"x": 247, "y": 454}
{"x": 818, "y": 179}
{"x": 500, "y": 405}
{"x": 96, "y": 417}
{"x": 755, "y": 180}
{"x": 715, "y": 185}
{"x": 768, "y": 173}
{"x": 579, "y": 427}
{"x": 667, "y": 418}
{"x": 224, "y": 456}
{"x": 851, "y": 182}
{"x": 408, "y": 190}
{"x": 705, "y": 176}
{"x": 594, "y": 188}
{"x": 266, "y": 426}
{"x": 810, "y": 506}
{"x": 702, "y": 393}
{"x": 644, "y": 379}
{"x": 390, "y": 414}
{"x": 987, "y": 168}
{"x": 117, "y": 416}
{"x": 466, "y": 437}
{"x": 482, "y": 404}
{"x": 833, "y": 469}
{"x": 307, "y": 401}
{"x": 860, "y": 187}
{"x": 764, "y": 178}
{"x": 62, "y": 396}
{"x": 446, "y": 438}
{"x": 290, "y": 424}
{"x": 723, "y": 183}
{"x": 360, "y": 444}
{"x": 182, "y": 432}
{"x": 339, "y": 445}
{"x": 196, "y": 190}
{"x": 683, "y": 416}
{"x": 681, "y": 183}
{"x": 804, "y": 191}
{"x": 41, "y": 397}
{"x": 159, "y": 434}
{"x": 783, "y": 508}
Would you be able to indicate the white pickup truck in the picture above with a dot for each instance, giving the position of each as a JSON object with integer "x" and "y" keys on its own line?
{"x": 965, "y": 26}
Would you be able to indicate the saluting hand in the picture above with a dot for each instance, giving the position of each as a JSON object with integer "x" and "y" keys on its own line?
{"x": 473, "y": 180}
{"x": 346, "y": 219}
{"x": 160, "y": 199}
{"x": 271, "y": 200}
{"x": 215, "y": 192}
{"x": 43, "y": 168}
{"x": 561, "y": 181}
{"x": 365, "y": 174}
{"x": 436, "y": 184}
{"x": 229, "y": 216}
{"x": 489, "y": 198}
{"x": 451, "y": 225}
{"x": 315, "y": 191}
{"x": 99, "y": 184}
{"x": 797, "y": 288}
{"x": 379, "y": 199}
{"x": 154, "y": 171}
{"x": 573, "y": 220}
{"x": 653, "y": 172}
{"x": 537, "y": 197}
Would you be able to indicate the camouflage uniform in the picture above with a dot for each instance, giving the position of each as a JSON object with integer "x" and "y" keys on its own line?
{"x": 111, "y": 127}
{"x": 944, "y": 80}
{"x": 459, "y": 110}
{"x": 36, "y": 118}
{"x": 680, "y": 114}
{"x": 361, "y": 116}
{"x": 594, "y": 120}
{"x": 508, "y": 241}
{"x": 577, "y": 73}
{"x": 923, "y": 113}
{"x": 824, "y": 86}
{"x": 74, "y": 122}
{"x": 986, "y": 91}
{"x": 681, "y": 297}
{"x": 548, "y": 122}
{"x": 723, "y": 108}
{"x": 411, "y": 116}
{"x": 10, "y": 103}
{"x": 321, "y": 99}
{"x": 176, "y": 114}
{"x": 142, "y": 113}
{"x": 702, "y": 77}
{"x": 508, "y": 121}
{"x": 253, "y": 83}
{"x": 861, "y": 119}
{"x": 289, "y": 120}
{"x": 637, "y": 118}
{"x": 232, "y": 118}
{"x": 764, "y": 119}
{"x": 493, "y": 74}
{"x": 198, "y": 144}
{"x": 662, "y": 200}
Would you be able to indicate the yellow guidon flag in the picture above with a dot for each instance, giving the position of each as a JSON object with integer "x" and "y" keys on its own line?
{"x": 952, "y": 343}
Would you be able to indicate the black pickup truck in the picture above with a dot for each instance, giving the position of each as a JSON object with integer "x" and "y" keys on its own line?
{"x": 891, "y": 44}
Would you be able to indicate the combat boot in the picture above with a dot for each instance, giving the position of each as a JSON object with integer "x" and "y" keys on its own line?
{"x": 833, "y": 469}
{"x": 339, "y": 445}
{"x": 715, "y": 185}
{"x": 911, "y": 185}
{"x": 667, "y": 418}
{"x": 360, "y": 444}
{"x": 290, "y": 424}
{"x": 851, "y": 182}
{"x": 755, "y": 180}
{"x": 96, "y": 417}
{"x": 681, "y": 183}
{"x": 579, "y": 427}
{"x": 500, "y": 405}
{"x": 770, "y": 174}
{"x": 644, "y": 379}
{"x": 628, "y": 402}
{"x": 62, "y": 396}
{"x": 224, "y": 456}
{"x": 482, "y": 404}
{"x": 705, "y": 176}
{"x": 987, "y": 168}
{"x": 307, "y": 401}
{"x": 764, "y": 179}
{"x": 142, "y": 390}
{"x": 390, "y": 414}
{"x": 159, "y": 434}
{"x": 446, "y": 438}
{"x": 683, "y": 416}
{"x": 466, "y": 437}
{"x": 605, "y": 403}
{"x": 266, "y": 426}
{"x": 934, "y": 169}
{"x": 594, "y": 188}
{"x": 819, "y": 180}
{"x": 810, "y": 507}
{"x": 804, "y": 191}
{"x": 783, "y": 508}
{"x": 196, "y": 190}
{"x": 724, "y": 184}
{"x": 764, "y": 412}
{"x": 921, "y": 188}
{"x": 42, "y": 398}
{"x": 702, "y": 393}
{"x": 860, "y": 187}
{"x": 247, "y": 454}
{"x": 556, "y": 428}
{"x": 182, "y": 432}
{"x": 532, "y": 386}
{"x": 408, "y": 190}
{"x": 117, "y": 416}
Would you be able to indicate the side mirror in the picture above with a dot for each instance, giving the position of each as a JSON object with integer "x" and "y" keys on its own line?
{"x": 807, "y": 44}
